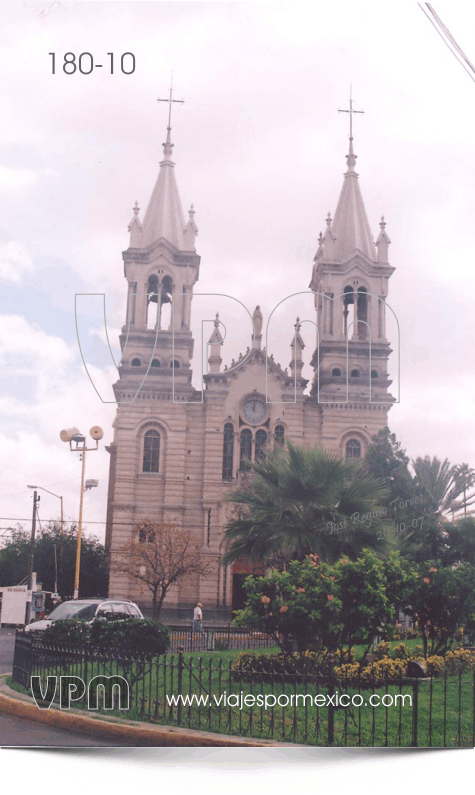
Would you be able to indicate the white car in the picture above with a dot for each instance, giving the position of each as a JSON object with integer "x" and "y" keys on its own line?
{"x": 88, "y": 610}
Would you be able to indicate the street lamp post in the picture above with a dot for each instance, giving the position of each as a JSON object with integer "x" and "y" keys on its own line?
{"x": 61, "y": 532}
{"x": 73, "y": 435}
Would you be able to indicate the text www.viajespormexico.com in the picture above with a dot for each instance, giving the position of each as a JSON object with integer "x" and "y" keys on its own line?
{"x": 269, "y": 700}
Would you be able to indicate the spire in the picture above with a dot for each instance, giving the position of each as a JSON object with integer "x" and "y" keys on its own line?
{"x": 164, "y": 216}
{"x": 382, "y": 242}
{"x": 191, "y": 230}
{"x": 350, "y": 228}
{"x": 135, "y": 228}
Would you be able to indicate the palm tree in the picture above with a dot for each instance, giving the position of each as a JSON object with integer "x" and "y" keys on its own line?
{"x": 464, "y": 479}
{"x": 436, "y": 481}
{"x": 305, "y": 501}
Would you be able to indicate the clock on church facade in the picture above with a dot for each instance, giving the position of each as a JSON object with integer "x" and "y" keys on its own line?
{"x": 176, "y": 459}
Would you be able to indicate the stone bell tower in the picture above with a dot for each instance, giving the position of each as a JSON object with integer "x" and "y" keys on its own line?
{"x": 351, "y": 275}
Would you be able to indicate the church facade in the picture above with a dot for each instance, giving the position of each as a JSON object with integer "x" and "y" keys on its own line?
{"x": 177, "y": 451}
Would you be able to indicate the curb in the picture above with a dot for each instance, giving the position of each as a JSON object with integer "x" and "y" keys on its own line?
{"x": 135, "y": 733}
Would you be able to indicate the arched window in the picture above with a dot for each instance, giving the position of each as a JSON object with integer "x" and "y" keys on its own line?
{"x": 146, "y": 533}
{"x": 336, "y": 371}
{"x": 166, "y": 296}
{"x": 279, "y": 438}
{"x": 353, "y": 449}
{"x": 155, "y": 363}
{"x": 261, "y": 441}
{"x": 362, "y": 312}
{"x": 245, "y": 451}
{"x": 175, "y": 364}
{"x": 355, "y": 373}
{"x": 348, "y": 310}
{"x": 136, "y": 362}
{"x": 151, "y": 451}
{"x": 152, "y": 301}
{"x": 374, "y": 374}
{"x": 228, "y": 451}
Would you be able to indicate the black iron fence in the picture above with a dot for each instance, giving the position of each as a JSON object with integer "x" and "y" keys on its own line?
{"x": 221, "y": 638}
{"x": 204, "y": 691}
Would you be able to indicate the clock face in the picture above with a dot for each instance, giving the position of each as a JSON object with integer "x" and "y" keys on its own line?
{"x": 254, "y": 410}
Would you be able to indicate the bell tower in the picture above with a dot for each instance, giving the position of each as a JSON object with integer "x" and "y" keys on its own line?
{"x": 161, "y": 267}
{"x": 351, "y": 274}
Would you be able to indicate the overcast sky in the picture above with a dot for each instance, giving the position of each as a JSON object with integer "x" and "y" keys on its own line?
{"x": 260, "y": 151}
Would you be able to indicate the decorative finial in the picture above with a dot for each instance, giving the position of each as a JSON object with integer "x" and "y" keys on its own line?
{"x": 191, "y": 212}
{"x": 216, "y": 322}
{"x": 328, "y": 219}
{"x": 136, "y": 208}
{"x": 382, "y": 223}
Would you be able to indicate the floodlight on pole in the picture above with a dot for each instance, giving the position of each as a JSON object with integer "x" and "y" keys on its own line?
{"x": 74, "y": 435}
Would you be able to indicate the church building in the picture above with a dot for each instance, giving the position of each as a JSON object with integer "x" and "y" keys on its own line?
{"x": 177, "y": 451}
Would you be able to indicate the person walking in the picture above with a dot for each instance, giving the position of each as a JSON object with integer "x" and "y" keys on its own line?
{"x": 198, "y": 619}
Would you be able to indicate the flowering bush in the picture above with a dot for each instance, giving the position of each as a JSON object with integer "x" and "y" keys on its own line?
{"x": 316, "y": 605}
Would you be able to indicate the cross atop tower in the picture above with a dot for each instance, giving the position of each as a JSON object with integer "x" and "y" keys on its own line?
{"x": 170, "y": 100}
{"x": 350, "y": 111}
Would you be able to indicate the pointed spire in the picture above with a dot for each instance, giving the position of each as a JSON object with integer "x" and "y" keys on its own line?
{"x": 164, "y": 216}
{"x": 383, "y": 241}
{"x": 350, "y": 228}
{"x": 135, "y": 228}
{"x": 191, "y": 230}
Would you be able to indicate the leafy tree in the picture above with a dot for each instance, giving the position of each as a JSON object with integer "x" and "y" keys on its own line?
{"x": 441, "y": 600}
{"x": 159, "y": 554}
{"x": 319, "y": 606}
{"x": 305, "y": 501}
{"x": 55, "y": 559}
{"x": 460, "y": 542}
{"x": 387, "y": 460}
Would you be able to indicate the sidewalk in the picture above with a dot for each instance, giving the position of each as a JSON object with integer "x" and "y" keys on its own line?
{"x": 134, "y": 733}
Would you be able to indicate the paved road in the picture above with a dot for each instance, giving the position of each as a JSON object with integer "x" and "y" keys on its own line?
{"x": 20, "y": 731}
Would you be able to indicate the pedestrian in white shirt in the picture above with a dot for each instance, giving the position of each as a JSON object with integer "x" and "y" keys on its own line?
{"x": 198, "y": 618}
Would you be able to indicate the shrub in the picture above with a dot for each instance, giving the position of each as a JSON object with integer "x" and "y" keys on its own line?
{"x": 67, "y": 634}
{"x": 434, "y": 664}
{"x": 382, "y": 650}
{"x": 131, "y": 637}
{"x": 401, "y": 652}
{"x": 459, "y": 660}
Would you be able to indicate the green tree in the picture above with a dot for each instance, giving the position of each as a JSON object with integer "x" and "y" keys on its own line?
{"x": 387, "y": 460}
{"x": 319, "y": 606}
{"x": 441, "y": 599}
{"x": 305, "y": 501}
{"x": 460, "y": 542}
{"x": 55, "y": 558}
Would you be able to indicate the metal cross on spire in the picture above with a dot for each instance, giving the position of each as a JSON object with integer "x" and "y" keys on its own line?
{"x": 350, "y": 111}
{"x": 170, "y": 100}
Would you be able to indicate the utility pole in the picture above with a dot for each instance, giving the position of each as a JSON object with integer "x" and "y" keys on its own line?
{"x": 31, "y": 559}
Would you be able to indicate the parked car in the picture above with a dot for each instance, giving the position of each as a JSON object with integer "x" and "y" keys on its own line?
{"x": 102, "y": 609}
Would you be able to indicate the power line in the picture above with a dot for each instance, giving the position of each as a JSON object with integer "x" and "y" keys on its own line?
{"x": 449, "y": 40}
